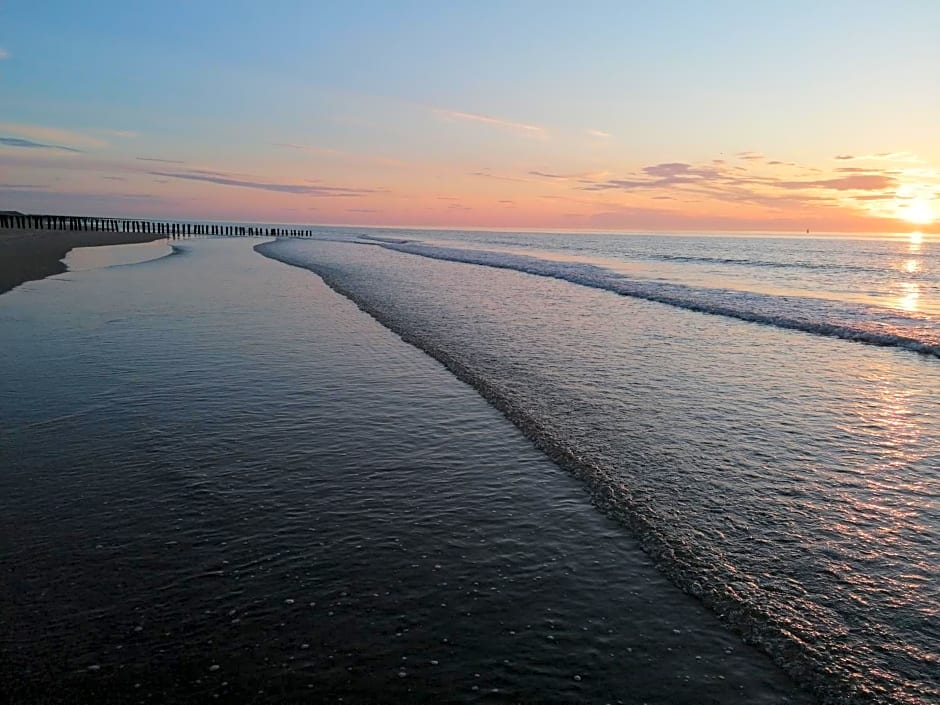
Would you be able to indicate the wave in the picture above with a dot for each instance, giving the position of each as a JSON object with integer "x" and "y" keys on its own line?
{"x": 862, "y": 324}
{"x": 640, "y": 254}
{"x": 726, "y": 590}
{"x": 385, "y": 240}
{"x": 770, "y": 264}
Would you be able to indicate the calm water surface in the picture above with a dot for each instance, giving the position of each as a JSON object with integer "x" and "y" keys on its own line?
{"x": 219, "y": 479}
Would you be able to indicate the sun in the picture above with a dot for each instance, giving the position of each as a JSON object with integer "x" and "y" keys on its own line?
{"x": 919, "y": 211}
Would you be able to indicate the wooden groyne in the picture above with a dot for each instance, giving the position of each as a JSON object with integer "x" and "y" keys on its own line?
{"x": 174, "y": 230}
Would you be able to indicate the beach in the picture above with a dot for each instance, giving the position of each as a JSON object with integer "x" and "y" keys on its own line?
{"x": 27, "y": 255}
{"x": 247, "y": 489}
{"x": 470, "y": 353}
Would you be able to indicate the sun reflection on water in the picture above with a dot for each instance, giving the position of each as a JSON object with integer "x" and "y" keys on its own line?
{"x": 910, "y": 296}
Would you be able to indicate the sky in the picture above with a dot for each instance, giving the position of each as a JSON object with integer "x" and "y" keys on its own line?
{"x": 706, "y": 116}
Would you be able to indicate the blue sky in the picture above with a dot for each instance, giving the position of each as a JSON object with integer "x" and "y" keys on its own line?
{"x": 413, "y": 102}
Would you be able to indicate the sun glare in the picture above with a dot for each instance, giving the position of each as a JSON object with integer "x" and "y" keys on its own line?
{"x": 919, "y": 211}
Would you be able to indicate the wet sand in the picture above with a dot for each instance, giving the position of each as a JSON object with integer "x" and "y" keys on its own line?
{"x": 27, "y": 255}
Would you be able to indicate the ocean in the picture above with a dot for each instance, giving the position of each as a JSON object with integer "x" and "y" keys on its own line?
{"x": 601, "y": 462}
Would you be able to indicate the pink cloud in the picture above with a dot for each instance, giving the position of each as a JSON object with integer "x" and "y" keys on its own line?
{"x": 857, "y": 182}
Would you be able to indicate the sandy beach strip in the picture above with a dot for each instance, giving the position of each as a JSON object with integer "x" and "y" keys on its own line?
{"x": 27, "y": 255}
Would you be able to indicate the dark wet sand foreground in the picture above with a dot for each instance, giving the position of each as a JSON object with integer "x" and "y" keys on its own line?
{"x": 26, "y": 255}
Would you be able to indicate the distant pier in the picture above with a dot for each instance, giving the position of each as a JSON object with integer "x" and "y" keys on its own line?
{"x": 172, "y": 230}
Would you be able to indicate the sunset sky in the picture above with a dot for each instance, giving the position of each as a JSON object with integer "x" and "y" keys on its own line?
{"x": 708, "y": 116}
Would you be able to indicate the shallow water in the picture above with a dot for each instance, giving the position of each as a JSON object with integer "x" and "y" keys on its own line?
{"x": 882, "y": 296}
{"x": 789, "y": 480}
{"x": 81, "y": 258}
{"x": 887, "y": 275}
{"x": 219, "y": 478}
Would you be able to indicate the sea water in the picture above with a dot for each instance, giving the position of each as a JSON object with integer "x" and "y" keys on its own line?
{"x": 761, "y": 413}
{"x": 220, "y": 480}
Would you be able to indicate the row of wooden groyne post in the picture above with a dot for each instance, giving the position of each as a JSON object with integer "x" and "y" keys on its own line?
{"x": 120, "y": 225}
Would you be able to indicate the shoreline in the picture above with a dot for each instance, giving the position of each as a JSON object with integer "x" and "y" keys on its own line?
{"x": 30, "y": 255}
{"x": 383, "y": 533}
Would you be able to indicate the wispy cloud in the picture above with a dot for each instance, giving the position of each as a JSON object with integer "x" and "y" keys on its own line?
{"x": 322, "y": 151}
{"x": 669, "y": 169}
{"x": 41, "y": 133}
{"x": 777, "y": 191}
{"x": 161, "y": 161}
{"x": 4, "y": 54}
{"x": 900, "y": 157}
{"x": 569, "y": 177}
{"x": 488, "y": 174}
{"x": 877, "y": 197}
{"x": 166, "y": 174}
{"x": 221, "y": 179}
{"x": 659, "y": 176}
{"x": 29, "y": 144}
{"x": 23, "y": 187}
{"x": 599, "y": 133}
{"x": 856, "y": 182}
{"x": 533, "y": 130}
{"x": 751, "y": 156}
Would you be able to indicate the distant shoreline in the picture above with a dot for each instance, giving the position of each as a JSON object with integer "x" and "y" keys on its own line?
{"x": 28, "y": 255}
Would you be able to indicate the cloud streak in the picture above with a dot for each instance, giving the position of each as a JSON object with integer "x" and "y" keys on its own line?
{"x": 487, "y": 174}
{"x": 659, "y": 176}
{"x": 161, "y": 161}
{"x": 29, "y": 144}
{"x": 719, "y": 181}
{"x": 900, "y": 157}
{"x": 53, "y": 135}
{"x": 4, "y": 54}
{"x": 533, "y": 130}
{"x": 321, "y": 151}
{"x": 23, "y": 187}
{"x": 298, "y": 189}
{"x": 568, "y": 177}
{"x": 856, "y": 182}
{"x": 848, "y": 195}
